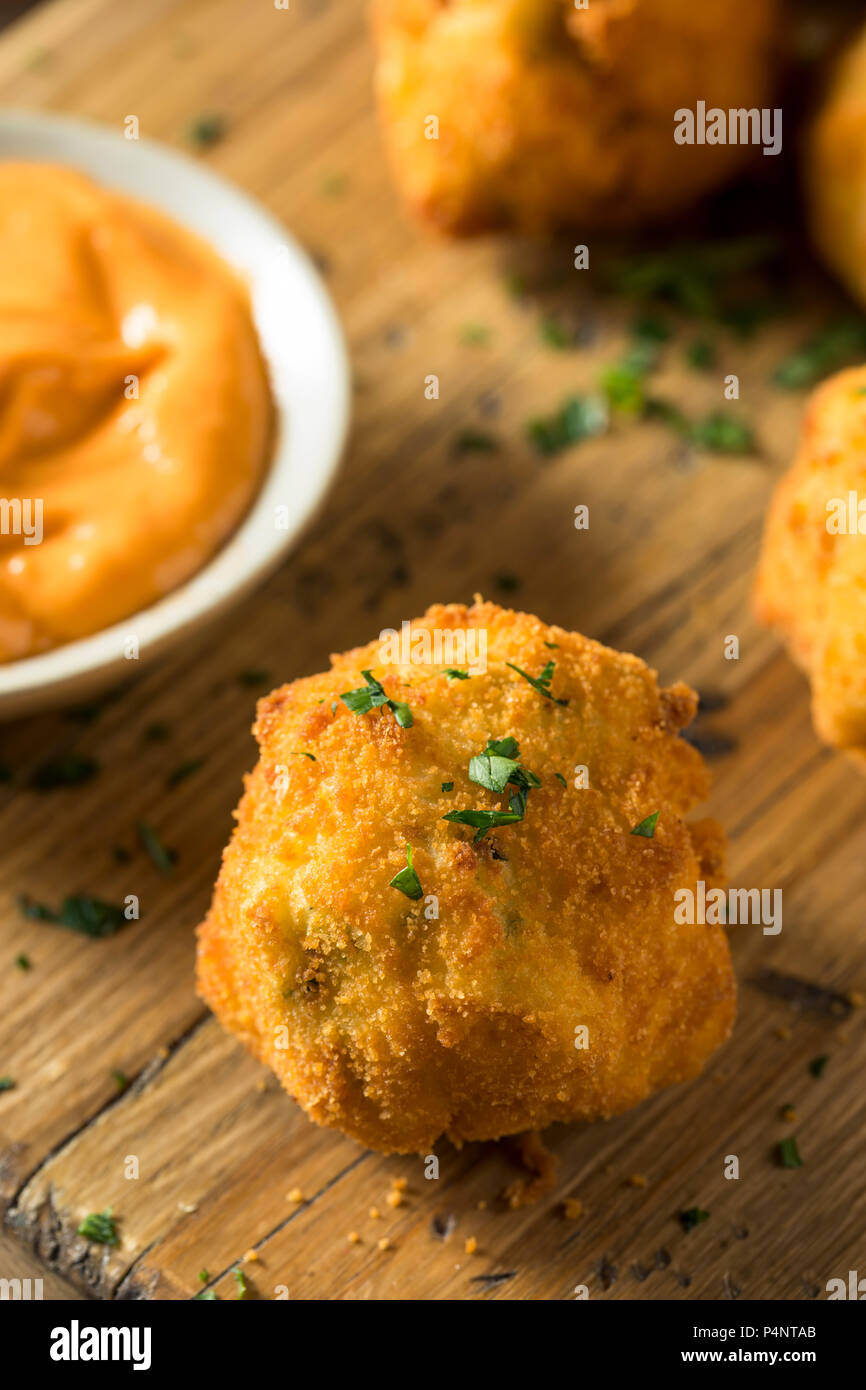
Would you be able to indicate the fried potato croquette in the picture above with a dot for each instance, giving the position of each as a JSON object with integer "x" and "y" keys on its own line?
{"x": 402, "y": 1004}
{"x": 812, "y": 575}
{"x": 836, "y": 171}
{"x": 535, "y": 114}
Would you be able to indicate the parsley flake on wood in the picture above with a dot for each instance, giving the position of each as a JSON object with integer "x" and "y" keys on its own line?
{"x": 79, "y": 912}
{"x": 206, "y": 1296}
{"x": 578, "y": 418}
{"x": 183, "y": 770}
{"x": 647, "y": 827}
{"x": 407, "y": 881}
{"x": 23, "y": 962}
{"x": 6, "y": 1083}
{"x": 207, "y": 130}
{"x": 541, "y": 682}
{"x": 789, "y": 1154}
{"x": 163, "y": 858}
{"x": 554, "y": 334}
{"x": 254, "y": 676}
{"x": 69, "y": 770}
{"x": 692, "y": 1217}
{"x": 372, "y": 696}
{"x": 471, "y": 441}
{"x": 121, "y": 1081}
{"x": 720, "y": 433}
{"x": 836, "y": 345}
{"x": 241, "y": 1282}
{"x": 100, "y": 1227}
{"x": 474, "y": 335}
{"x": 817, "y": 1065}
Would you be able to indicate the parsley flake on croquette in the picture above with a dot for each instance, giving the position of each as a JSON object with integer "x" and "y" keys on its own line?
{"x": 541, "y": 682}
{"x": 647, "y": 827}
{"x": 372, "y": 696}
{"x": 496, "y": 769}
{"x": 407, "y": 881}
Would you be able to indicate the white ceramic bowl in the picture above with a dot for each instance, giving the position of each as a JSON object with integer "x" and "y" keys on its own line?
{"x": 302, "y": 343}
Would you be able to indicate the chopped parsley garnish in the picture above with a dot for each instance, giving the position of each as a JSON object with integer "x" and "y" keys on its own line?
{"x": 701, "y": 355}
{"x": 554, "y": 334}
{"x": 70, "y": 770}
{"x": 447, "y": 786}
{"x": 163, "y": 858}
{"x": 23, "y": 962}
{"x": 183, "y": 770}
{"x": 693, "y": 1217}
{"x": 578, "y": 418}
{"x": 837, "y": 344}
{"x": 541, "y": 682}
{"x": 720, "y": 433}
{"x": 207, "y": 130}
{"x": 507, "y": 583}
{"x": 121, "y": 1081}
{"x": 100, "y": 1227}
{"x": 553, "y": 645}
{"x": 817, "y": 1065}
{"x": 407, "y": 881}
{"x": 300, "y": 753}
{"x": 497, "y": 766}
{"x": 647, "y": 827}
{"x": 335, "y": 185}
{"x": 470, "y": 441}
{"x": 207, "y": 1296}
{"x": 79, "y": 912}
{"x": 372, "y": 696}
{"x": 254, "y": 675}
{"x": 474, "y": 335}
{"x": 496, "y": 769}
{"x": 789, "y": 1154}
{"x": 454, "y": 673}
{"x": 203, "y": 1276}
{"x": 6, "y": 1083}
{"x": 482, "y": 821}
{"x": 697, "y": 278}
{"x": 241, "y": 1282}
{"x": 648, "y": 328}
{"x": 559, "y": 777}
{"x": 623, "y": 386}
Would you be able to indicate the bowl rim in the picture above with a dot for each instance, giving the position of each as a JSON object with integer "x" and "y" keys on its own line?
{"x": 242, "y": 561}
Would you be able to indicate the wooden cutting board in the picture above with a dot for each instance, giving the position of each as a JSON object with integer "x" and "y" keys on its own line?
{"x": 664, "y": 570}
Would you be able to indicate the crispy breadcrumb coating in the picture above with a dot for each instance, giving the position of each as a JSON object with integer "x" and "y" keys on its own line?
{"x": 399, "y": 1020}
{"x": 535, "y": 114}
{"x": 812, "y": 577}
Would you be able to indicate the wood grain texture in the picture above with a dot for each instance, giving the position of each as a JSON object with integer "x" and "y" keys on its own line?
{"x": 664, "y": 570}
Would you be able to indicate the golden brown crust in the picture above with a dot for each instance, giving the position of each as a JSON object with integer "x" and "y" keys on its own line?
{"x": 401, "y": 1025}
{"x": 812, "y": 580}
{"x": 551, "y": 116}
{"x": 835, "y": 170}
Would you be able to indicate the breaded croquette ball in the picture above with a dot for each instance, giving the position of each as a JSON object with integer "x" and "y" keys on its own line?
{"x": 435, "y": 916}
{"x": 836, "y": 171}
{"x": 536, "y": 114}
{"x": 812, "y": 574}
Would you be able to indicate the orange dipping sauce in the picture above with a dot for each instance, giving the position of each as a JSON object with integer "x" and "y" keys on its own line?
{"x": 136, "y": 417}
